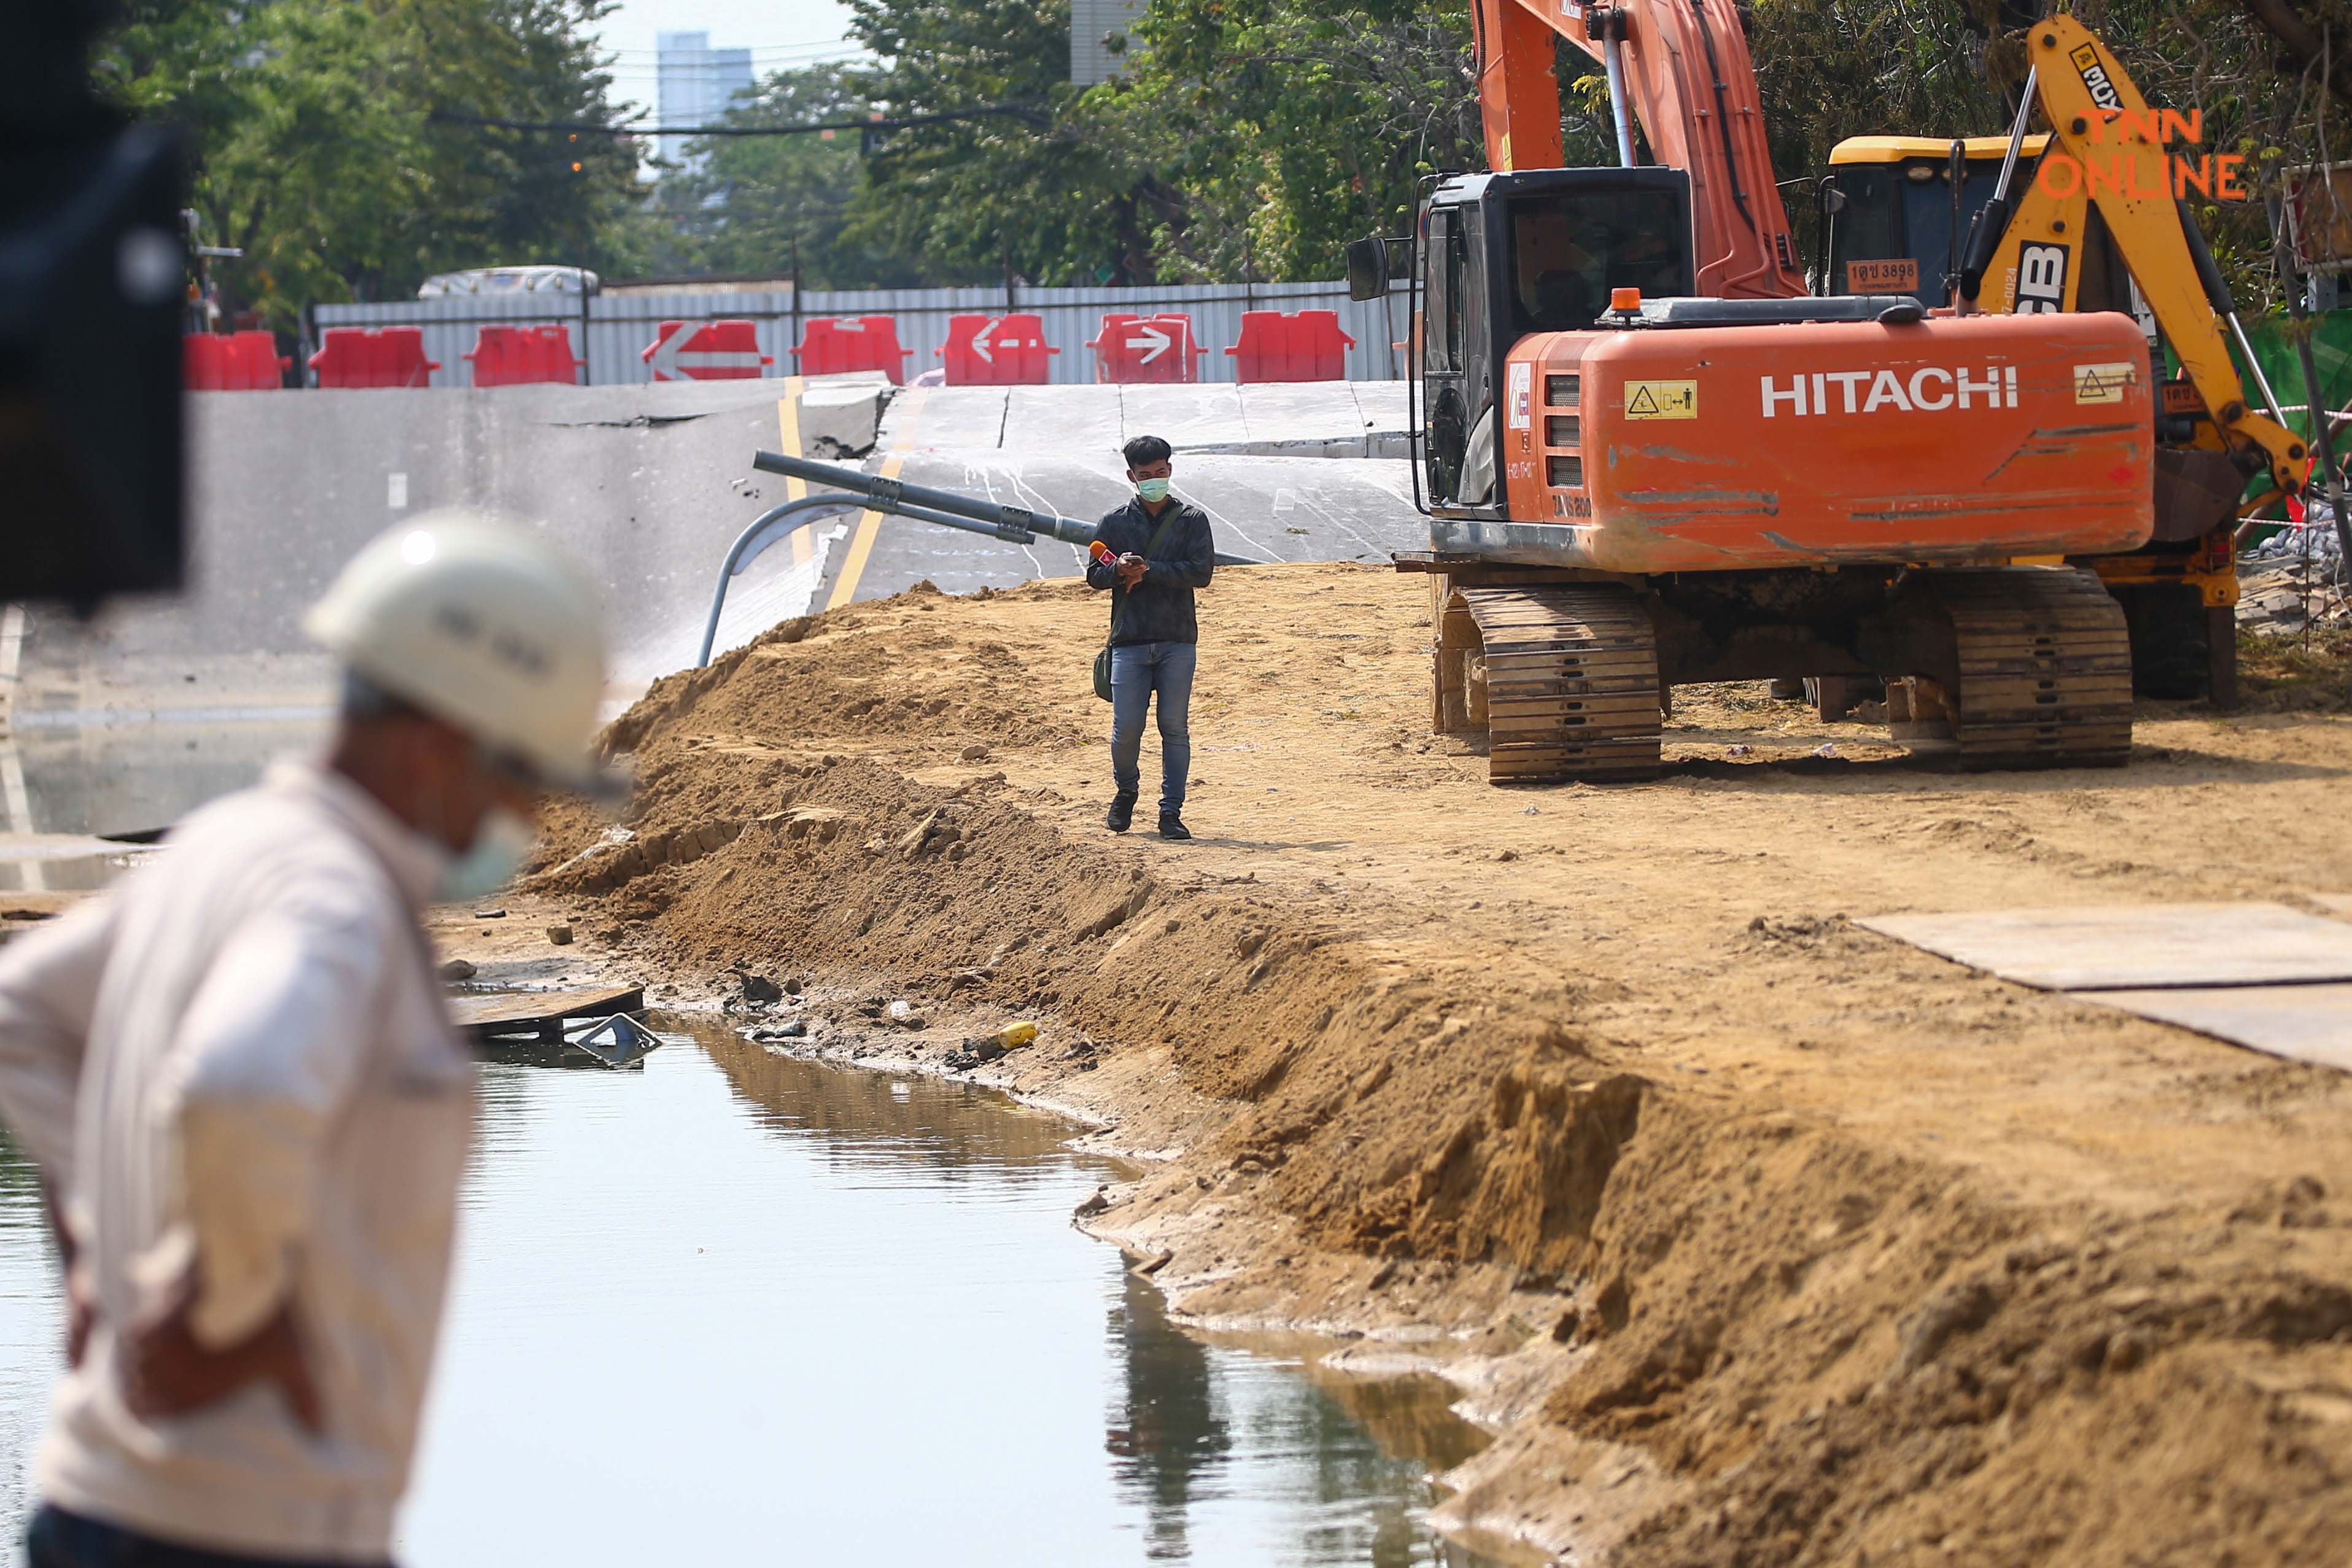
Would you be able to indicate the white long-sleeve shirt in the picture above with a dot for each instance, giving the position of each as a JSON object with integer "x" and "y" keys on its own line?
{"x": 242, "y": 1049}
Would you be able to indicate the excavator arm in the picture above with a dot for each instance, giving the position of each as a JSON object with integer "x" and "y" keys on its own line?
{"x": 1682, "y": 65}
{"x": 2108, "y": 151}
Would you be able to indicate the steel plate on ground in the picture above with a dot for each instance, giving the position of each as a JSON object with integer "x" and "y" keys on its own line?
{"x": 2130, "y": 947}
{"x": 2301, "y": 1023}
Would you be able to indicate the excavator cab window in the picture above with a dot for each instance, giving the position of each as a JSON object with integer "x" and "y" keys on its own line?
{"x": 1508, "y": 256}
{"x": 1899, "y": 212}
{"x": 1569, "y": 250}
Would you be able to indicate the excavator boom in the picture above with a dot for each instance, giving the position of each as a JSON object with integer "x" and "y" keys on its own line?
{"x": 1684, "y": 67}
{"x": 2109, "y": 150}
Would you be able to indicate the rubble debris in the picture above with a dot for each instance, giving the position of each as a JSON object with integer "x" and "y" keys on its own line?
{"x": 458, "y": 969}
{"x": 561, "y": 935}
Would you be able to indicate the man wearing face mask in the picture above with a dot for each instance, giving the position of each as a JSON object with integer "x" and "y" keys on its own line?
{"x": 1161, "y": 553}
{"x": 244, "y": 1094}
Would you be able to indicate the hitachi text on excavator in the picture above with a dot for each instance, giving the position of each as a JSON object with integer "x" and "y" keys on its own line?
{"x": 1649, "y": 458}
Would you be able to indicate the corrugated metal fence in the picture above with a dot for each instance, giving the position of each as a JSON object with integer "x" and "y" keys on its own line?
{"x": 620, "y": 326}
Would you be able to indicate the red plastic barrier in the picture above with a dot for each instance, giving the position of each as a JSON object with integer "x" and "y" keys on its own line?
{"x": 1306, "y": 346}
{"x": 241, "y": 361}
{"x": 1130, "y": 350}
{"x": 706, "y": 351}
{"x": 369, "y": 356}
{"x": 836, "y": 346}
{"x": 997, "y": 350}
{"x": 516, "y": 356}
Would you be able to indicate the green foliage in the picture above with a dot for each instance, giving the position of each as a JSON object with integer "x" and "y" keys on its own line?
{"x": 1281, "y": 130}
{"x": 314, "y": 154}
{"x": 1033, "y": 192}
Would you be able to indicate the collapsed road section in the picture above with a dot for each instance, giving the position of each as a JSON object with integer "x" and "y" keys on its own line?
{"x": 1757, "y": 1236}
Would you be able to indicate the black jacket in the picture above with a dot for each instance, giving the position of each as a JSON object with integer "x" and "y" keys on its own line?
{"x": 1161, "y": 608}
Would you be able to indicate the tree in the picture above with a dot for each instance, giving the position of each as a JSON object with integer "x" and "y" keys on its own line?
{"x": 314, "y": 152}
{"x": 1029, "y": 189}
{"x": 756, "y": 205}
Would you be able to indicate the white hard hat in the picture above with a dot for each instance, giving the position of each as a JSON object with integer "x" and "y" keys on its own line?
{"x": 479, "y": 624}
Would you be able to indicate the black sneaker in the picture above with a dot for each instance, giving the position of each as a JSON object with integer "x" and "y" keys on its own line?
{"x": 1121, "y": 812}
{"x": 1172, "y": 826}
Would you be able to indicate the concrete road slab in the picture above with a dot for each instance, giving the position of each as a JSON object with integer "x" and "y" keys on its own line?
{"x": 2136, "y": 948}
{"x": 1069, "y": 421}
{"x": 648, "y": 485}
{"x": 945, "y": 416}
{"x": 1302, "y": 411}
{"x": 1382, "y": 406}
{"x": 1185, "y": 416}
{"x": 2301, "y": 1023}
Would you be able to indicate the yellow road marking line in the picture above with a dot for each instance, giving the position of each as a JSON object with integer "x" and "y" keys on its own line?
{"x": 788, "y": 428}
{"x": 869, "y": 523}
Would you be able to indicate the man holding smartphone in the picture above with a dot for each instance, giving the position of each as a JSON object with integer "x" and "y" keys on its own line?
{"x": 1163, "y": 552}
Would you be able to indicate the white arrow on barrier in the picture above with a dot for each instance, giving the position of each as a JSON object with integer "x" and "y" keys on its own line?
{"x": 1153, "y": 343}
{"x": 980, "y": 341}
{"x": 665, "y": 361}
{"x": 673, "y": 360}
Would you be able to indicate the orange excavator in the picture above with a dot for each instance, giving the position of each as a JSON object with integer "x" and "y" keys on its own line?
{"x": 1649, "y": 458}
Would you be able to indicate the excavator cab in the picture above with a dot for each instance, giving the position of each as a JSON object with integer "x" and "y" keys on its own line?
{"x": 1892, "y": 222}
{"x": 1503, "y": 257}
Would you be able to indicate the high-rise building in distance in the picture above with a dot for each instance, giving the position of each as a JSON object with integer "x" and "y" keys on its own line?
{"x": 1101, "y": 37}
{"x": 694, "y": 85}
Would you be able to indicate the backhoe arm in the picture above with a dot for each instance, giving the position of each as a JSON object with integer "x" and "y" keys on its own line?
{"x": 2108, "y": 150}
{"x": 1684, "y": 67}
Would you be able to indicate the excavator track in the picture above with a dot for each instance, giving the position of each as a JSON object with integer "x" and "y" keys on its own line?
{"x": 2045, "y": 664}
{"x": 1570, "y": 682}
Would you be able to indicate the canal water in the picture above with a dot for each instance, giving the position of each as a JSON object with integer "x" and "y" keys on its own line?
{"x": 740, "y": 1308}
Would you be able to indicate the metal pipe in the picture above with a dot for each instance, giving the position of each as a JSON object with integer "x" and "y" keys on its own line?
{"x": 2254, "y": 367}
{"x": 2017, "y": 133}
{"x": 751, "y": 543}
{"x": 1621, "y": 114}
{"x": 887, "y": 495}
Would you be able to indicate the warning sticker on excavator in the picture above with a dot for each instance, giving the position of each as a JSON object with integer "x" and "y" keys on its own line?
{"x": 2102, "y": 383}
{"x": 1662, "y": 400}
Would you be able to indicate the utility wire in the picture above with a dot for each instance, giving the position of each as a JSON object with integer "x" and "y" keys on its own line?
{"x": 1034, "y": 113}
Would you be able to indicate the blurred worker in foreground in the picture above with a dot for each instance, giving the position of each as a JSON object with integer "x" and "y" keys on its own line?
{"x": 245, "y": 1095}
{"x": 1163, "y": 552}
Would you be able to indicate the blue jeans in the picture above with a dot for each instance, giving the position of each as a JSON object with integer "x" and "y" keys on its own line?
{"x": 61, "y": 1540}
{"x": 1136, "y": 672}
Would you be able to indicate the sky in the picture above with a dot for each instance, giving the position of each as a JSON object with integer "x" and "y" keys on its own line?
{"x": 777, "y": 32}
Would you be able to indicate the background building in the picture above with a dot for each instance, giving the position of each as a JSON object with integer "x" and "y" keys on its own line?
{"x": 1093, "y": 23}
{"x": 694, "y": 84}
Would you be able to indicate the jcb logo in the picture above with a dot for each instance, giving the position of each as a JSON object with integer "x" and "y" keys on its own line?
{"x": 2101, "y": 86}
{"x": 2041, "y": 278}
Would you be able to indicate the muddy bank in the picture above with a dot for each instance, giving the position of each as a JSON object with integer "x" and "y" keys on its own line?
{"x": 1761, "y": 1238}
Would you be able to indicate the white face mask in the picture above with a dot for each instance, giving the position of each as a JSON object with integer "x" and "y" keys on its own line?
{"x": 500, "y": 844}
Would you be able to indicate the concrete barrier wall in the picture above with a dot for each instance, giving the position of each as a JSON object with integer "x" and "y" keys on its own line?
{"x": 617, "y": 328}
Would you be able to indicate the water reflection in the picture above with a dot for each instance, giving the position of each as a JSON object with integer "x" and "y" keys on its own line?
{"x": 738, "y": 1308}
{"x": 32, "y": 1333}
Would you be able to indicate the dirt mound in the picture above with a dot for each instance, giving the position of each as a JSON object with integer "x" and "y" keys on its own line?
{"x": 1865, "y": 1258}
{"x": 862, "y": 674}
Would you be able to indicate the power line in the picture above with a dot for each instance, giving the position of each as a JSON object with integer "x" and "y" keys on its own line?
{"x": 1032, "y": 113}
